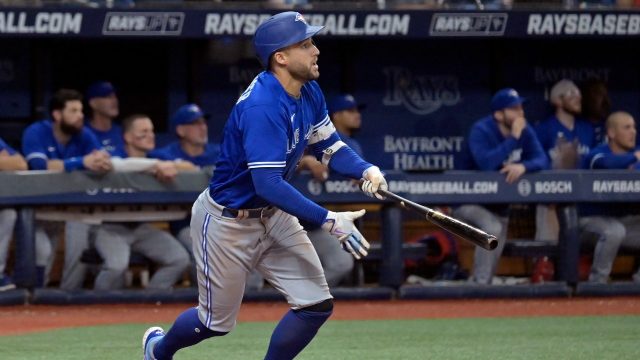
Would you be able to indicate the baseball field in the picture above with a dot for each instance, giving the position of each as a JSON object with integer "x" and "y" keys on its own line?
{"x": 605, "y": 328}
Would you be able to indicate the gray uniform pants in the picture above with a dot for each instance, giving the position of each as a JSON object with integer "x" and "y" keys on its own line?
{"x": 228, "y": 249}
{"x": 608, "y": 234}
{"x": 485, "y": 262}
{"x": 76, "y": 240}
{"x": 7, "y": 222}
{"x": 115, "y": 242}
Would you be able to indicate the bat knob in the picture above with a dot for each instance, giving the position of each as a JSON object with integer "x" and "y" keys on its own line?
{"x": 492, "y": 242}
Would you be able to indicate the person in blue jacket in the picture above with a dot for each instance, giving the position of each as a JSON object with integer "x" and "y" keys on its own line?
{"x": 612, "y": 226}
{"x": 501, "y": 141}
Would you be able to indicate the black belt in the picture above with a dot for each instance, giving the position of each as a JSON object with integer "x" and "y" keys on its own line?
{"x": 248, "y": 213}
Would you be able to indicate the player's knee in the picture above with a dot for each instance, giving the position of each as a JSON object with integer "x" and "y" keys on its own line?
{"x": 322, "y": 307}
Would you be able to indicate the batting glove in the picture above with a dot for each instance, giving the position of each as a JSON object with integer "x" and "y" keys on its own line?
{"x": 340, "y": 225}
{"x": 374, "y": 180}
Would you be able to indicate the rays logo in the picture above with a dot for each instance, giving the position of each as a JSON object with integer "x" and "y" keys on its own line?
{"x": 299, "y": 17}
{"x": 420, "y": 94}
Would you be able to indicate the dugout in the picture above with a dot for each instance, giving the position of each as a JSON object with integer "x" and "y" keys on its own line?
{"x": 425, "y": 74}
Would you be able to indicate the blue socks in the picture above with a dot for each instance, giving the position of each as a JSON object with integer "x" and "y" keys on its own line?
{"x": 294, "y": 332}
{"x": 186, "y": 331}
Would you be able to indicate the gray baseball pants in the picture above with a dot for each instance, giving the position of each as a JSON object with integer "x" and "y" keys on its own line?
{"x": 485, "y": 262}
{"x": 115, "y": 242}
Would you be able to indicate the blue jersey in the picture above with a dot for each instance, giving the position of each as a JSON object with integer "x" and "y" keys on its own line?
{"x": 269, "y": 129}
{"x": 601, "y": 157}
{"x": 550, "y": 130}
{"x": 111, "y": 140}
{"x": 9, "y": 149}
{"x": 490, "y": 150}
{"x": 39, "y": 145}
{"x": 174, "y": 151}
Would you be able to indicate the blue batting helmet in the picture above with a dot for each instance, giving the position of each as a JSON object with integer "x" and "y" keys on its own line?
{"x": 280, "y": 31}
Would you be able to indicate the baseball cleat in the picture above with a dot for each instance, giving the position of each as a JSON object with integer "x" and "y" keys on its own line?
{"x": 149, "y": 340}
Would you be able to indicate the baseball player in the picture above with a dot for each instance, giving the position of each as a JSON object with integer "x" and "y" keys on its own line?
{"x": 612, "y": 225}
{"x": 502, "y": 141}
{"x": 62, "y": 143}
{"x": 115, "y": 241}
{"x": 190, "y": 125}
{"x": 9, "y": 160}
{"x": 566, "y": 139}
{"x": 104, "y": 108}
{"x": 247, "y": 218}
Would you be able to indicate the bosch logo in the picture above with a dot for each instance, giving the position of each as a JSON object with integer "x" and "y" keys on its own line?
{"x": 314, "y": 187}
{"x": 524, "y": 187}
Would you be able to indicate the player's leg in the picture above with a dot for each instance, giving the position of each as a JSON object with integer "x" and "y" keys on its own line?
{"x": 485, "y": 262}
{"x": 7, "y": 222}
{"x": 164, "y": 250}
{"x": 632, "y": 240}
{"x": 337, "y": 263}
{"x": 292, "y": 266}
{"x": 113, "y": 243}
{"x": 224, "y": 250}
{"x": 184, "y": 237}
{"x": 76, "y": 241}
{"x": 44, "y": 254}
{"x": 609, "y": 233}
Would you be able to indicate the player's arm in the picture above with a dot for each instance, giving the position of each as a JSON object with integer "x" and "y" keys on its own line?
{"x": 11, "y": 160}
{"x": 612, "y": 161}
{"x": 486, "y": 156}
{"x": 536, "y": 159}
{"x": 333, "y": 152}
{"x": 35, "y": 152}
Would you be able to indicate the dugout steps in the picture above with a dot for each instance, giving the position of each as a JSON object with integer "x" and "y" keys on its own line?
{"x": 475, "y": 291}
{"x": 618, "y": 289}
{"x": 14, "y": 297}
{"x": 50, "y": 296}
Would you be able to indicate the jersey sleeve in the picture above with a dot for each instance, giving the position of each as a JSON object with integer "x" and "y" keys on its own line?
{"x": 264, "y": 137}
{"x": 90, "y": 142}
{"x": 34, "y": 149}
{"x": 4, "y": 146}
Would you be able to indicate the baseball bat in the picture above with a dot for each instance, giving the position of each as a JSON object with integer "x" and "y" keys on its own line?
{"x": 454, "y": 226}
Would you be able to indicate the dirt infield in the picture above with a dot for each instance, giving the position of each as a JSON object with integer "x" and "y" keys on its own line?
{"x": 32, "y": 318}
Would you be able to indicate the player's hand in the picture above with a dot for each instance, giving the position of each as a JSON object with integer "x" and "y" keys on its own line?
{"x": 97, "y": 160}
{"x": 518, "y": 126}
{"x": 374, "y": 180}
{"x": 513, "y": 171}
{"x": 165, "y": 171}
{"x": 340, "y": 225}
{"x": 4, "y": 153}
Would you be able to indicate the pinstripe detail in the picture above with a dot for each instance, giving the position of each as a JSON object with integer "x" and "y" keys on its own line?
{"x": 205, "y": 226}
{"x": 324, "y": 122}
{"x": 263, "y": 164}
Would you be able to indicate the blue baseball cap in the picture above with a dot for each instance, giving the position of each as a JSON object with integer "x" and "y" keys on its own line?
{"x": 343, "y": 102}
{"x": 279, "y": 31}
{"x": 100, "y": 89}
{"x": 506, "y": 98}
{"x": 186, "y": 115}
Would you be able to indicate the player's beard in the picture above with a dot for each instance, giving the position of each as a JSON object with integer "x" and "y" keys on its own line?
{"x": 69, "y": 129}
{"x": 304, "y": 74}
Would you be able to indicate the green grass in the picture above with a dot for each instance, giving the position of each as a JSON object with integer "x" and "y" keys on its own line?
{"x": 606, "y": 337}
